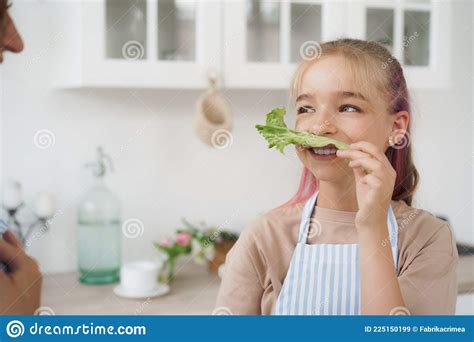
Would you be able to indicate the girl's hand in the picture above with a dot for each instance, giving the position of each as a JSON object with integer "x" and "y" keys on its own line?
{"x": 375, "y": 180}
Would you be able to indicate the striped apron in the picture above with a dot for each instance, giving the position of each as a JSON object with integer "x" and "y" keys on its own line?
{"x": 324, "y": 279}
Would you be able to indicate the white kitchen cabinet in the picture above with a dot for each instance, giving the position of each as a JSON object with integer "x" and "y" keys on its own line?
{"x": 417, "y": 32}
{"x": 140, "y": 43}
{"x": 263, "y": 39}
{"x": 246, "y": 43}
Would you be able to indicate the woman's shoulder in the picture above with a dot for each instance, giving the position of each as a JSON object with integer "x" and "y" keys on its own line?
{"x": 275, "y": 227}
{"x": 275, "y": 223}
{"x": 419, "y": 228}
{"x": 417, "y": 218}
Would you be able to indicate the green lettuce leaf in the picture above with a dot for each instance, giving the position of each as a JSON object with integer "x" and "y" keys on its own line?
{"x": 279, "y": 135}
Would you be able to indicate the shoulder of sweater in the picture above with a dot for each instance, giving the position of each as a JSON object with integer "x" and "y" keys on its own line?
{"x": 271, "y": 220}
{"x": 406, "y": 214}
{"x": 422, "y": 227}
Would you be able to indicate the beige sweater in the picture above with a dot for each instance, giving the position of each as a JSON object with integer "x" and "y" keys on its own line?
{"x": 257, "y": 265}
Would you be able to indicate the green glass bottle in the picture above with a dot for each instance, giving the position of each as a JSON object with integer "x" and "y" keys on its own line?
{"x": 99, "y": 229}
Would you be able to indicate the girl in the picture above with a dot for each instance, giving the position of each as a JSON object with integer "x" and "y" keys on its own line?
{"x": 348, "y": 242}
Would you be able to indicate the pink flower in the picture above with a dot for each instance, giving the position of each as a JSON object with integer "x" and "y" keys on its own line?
{"x": 183, "y": 239}
{"x": 166, "y": 242}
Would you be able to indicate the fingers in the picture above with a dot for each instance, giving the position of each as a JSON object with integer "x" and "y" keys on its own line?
{"x": 372, "y": 172}
{"x": 373, "y": 181}
{"x": 351, "y": 154}
{"x": 11, "y": 255}
{"x": 359, "y": 174}
{"x": 4, "y": 279}
{"x": 368, "y": 164}
{"x": 370, "y": 149}
{"x": 11, "y": 239}
{"x": 363, "y": 150}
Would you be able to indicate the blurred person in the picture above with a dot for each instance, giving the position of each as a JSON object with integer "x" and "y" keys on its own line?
{"x": 20, "y": 282}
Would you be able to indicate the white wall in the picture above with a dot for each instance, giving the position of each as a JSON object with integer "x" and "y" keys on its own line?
{"x": 164, "y": 173}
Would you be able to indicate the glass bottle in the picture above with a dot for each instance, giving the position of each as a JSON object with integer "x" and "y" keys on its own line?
{"x": 99, "y": 229}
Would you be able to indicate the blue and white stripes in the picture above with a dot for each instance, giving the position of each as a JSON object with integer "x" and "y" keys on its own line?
{"x": 324, "y": 279}
{"x": 321, "y": 283}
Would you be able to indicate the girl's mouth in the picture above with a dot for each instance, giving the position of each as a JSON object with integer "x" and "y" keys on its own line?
{"x": 323, "y": 153}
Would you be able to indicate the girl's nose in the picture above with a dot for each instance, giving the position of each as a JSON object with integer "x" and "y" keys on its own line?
{"x": 323, "y": 122}
{"x": 323, "y": 129}
{"x": 322, "y": 126}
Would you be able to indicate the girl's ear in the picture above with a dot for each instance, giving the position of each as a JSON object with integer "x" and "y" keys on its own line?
{"x": 401, "y": 121}
{"x": 399, "y": 128}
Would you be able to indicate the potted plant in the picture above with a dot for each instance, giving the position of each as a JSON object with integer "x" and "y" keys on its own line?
{"x": 173, "y": 248}
{"x": 222, "y": 244}
{"x": 207, "y": 244}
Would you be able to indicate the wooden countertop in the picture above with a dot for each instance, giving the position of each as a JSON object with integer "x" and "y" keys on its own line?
{"x": 193, "y": 292}
{"x": 466, "y": 274}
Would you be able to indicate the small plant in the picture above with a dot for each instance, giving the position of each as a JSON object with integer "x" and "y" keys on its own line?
{"x": 197, "y": 240}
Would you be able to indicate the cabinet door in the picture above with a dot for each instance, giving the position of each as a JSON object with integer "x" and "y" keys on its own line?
{"x": 264, "y": 40}
{"x": 148, "y": 43}
{"x": 417, "y": 32}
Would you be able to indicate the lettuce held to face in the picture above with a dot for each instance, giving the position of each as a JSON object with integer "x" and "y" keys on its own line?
{"x": 278, "y": 135}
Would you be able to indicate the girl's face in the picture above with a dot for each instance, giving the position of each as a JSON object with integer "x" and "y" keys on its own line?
{"x": 331, "y": 105}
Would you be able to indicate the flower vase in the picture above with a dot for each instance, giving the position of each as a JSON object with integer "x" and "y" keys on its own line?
{"x": 166, "y": 275}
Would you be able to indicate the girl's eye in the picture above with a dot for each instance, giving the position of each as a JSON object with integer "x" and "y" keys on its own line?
{"x": 305, "y": 109}
{"x": 349, "y": 108}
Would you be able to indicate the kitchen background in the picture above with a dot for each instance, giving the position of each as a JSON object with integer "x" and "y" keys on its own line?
{"x": 74, "y": 87}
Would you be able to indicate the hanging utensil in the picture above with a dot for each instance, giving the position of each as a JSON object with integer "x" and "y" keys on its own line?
{"x": 213, "y": 122}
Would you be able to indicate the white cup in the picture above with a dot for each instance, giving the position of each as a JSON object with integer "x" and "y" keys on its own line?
{"x": 139, "y": 276}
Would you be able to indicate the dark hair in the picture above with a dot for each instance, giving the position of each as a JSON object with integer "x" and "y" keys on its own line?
{"x": 3, "y": 18}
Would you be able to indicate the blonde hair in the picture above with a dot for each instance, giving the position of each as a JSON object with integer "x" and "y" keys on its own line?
{"x": 373, "y": 67}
